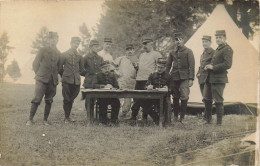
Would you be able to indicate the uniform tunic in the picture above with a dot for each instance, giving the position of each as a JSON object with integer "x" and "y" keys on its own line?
{"x": 105, "y": 55}
{"x": 45, "y": 66}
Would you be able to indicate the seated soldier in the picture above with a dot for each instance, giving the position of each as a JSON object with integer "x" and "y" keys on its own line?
{"x": 157, "y": 80}
{"x": 107, "y": 80}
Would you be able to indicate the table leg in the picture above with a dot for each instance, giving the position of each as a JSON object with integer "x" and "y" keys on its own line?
{"x": 88, "y": 109}
{"x": 161, "y": 117}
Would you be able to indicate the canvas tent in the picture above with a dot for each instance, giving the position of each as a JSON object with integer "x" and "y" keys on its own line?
{"x": 243, "y": 76}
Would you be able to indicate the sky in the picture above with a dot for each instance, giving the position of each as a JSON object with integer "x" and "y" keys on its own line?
{"x": 23, "y": 20}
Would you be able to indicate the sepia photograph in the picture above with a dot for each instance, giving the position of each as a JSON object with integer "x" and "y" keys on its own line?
{"x": 129, "y": 82}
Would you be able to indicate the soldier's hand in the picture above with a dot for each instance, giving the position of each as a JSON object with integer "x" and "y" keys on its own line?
{"x": 109, "y": 86}
{"x": 208, "y": 67}
{"x": 149, "y": 87}
{"x": 190, "y": 83}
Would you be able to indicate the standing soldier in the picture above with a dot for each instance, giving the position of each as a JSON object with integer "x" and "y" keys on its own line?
{"x": 203, "y": 76}
{"x": 147, "y": 65}
{"x": 127, "y": 74}
{"x": 45, "y": 66}
{"x": 92, "y": 65}
{"x": 106, "y": 52}
{"x": 70, "y": 68}
{"x": 181, "y": 60}
{"x": 220, "y": 63}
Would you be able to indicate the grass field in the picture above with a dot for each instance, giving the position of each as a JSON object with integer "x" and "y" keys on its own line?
{"x": 79, "y": 144}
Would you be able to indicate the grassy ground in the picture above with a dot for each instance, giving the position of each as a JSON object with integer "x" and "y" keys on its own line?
{"x": 79, "y": 144}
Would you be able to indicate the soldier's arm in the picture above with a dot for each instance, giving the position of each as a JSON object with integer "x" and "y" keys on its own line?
{"x": 115, "y": 83}
{"x": 191, "y": 61}
{"x": 82, "y": 70}
{"x": 169, "y": 63}
{"x": 227, "y": 63}
{"x": 37, "y": 60}
{"x": 61, "y": 63}
{"x": 149, "y": 81}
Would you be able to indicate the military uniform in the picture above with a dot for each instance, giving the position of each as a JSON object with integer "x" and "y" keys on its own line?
{"x": 181, "y": 60}
{"x": 45, "y": 66}
{"x": 71, "y": 66}
{"x": 203, "y": 79}
{"x": 100, "y": 80}
{"x": 158, "y": 80}
{"x": 221, "y": 62}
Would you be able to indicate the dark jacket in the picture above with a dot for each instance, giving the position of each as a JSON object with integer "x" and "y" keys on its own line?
{"x": 102, "y": 79}
{"x": 71, "y": 67}
{"x": 92, "y": 63}
{"x": 45, "y": 65}
{"x": 205, "y": 59}
{"x": 182, "y": 63}
{"x": 159, "y": 80}
{"x": 221, "y": 61}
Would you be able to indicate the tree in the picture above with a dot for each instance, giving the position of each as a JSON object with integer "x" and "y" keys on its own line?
{"x": 5, "y": 49}
{"x": 85, "y": 38}
{"x": 40, "y": 41}
{"x": 13, "y": 70}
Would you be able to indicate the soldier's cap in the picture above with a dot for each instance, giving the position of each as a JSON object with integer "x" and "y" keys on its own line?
{"x": 161, "y": 62}
{"x": 147, "y": 40}
{"x": 129, "y": 46}
{"x": 108, "y": 40}
{"x": 220, "y": 33}
{"x": 52, "y": 35}
{"x": 93, "y": 42}
{"x": 205, "y": 37}
{"x": 75, "y": 38}
{"x": 178, "y": 35}
{"x": 105, "y": 64}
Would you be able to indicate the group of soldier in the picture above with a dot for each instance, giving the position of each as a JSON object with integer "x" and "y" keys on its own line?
{"x": 150, "y": 71}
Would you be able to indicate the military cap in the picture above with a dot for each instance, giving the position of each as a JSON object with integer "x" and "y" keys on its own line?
{"x": 147, "y": 40}
{"x": 109, "y": 40}
{"x": 178, "y": 35}
{"x": 129, "y": 46}
{"x": 93, "y": 42}
{"x": 205, "y": 37}
{"x": 52, "y": 35}
{"x": 105, "y": 64}
{"x": 75, "y": 39}
{"x": 220, "y": 33}
{"x": 161, "y": 62}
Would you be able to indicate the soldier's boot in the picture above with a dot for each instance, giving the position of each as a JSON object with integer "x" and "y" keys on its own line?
{"x": 47, "y": 110}
{"x": 219, "y": 110}
{"x": 33, "y": 110}
{"x": 176, "y": 108}
{"x": 208, "y": 110}
{"x": 183, "y": 109}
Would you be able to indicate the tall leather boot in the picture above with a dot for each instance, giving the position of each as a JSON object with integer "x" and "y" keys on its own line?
{"x": 33, "y": 110}
{"x": 176, "y": 108}
{"x": 219, "y": 110}
{"x": 208, "y": 110}
{"x": 183, "y": 109}
{"x": 47, "y": 110}
{"x": 66, "y": 108}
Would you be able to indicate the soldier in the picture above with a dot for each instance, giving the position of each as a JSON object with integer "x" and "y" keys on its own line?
{"x": 203, "y": 76}
{"x": 127, "y": 74}
{"x": 147, "y": 65}
{"x": 106, "y": 52}
{"x": 181, "y": 60}
{"x": 157, "y": 80}
{"x": 45, "y": 66}
{"x": 220, "y": 63}
{"x": 106, "y": 79}
{"x": 92, "y": 65}
{"x": 70, "y": 68}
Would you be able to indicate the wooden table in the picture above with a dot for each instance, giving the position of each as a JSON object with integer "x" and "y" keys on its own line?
{"x": 111, "y": 93}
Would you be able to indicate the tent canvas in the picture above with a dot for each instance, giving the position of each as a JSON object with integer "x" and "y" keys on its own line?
{"x": 243, "y": 76}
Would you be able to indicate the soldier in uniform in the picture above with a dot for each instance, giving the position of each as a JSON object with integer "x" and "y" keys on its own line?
{"x": 70, "y": 68}
{"x": 147, "y": 65}
{"x": 106, "y": 79}
{"x": 157, "y": 80}
{"x": 45, "y": 66}
{"x": 106, "y": 52}
{"x": 181, "y": 60}
{"x": 203, "y": 76}
{"x": 220, "y": 63}
{"x": 92, "y": 65}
